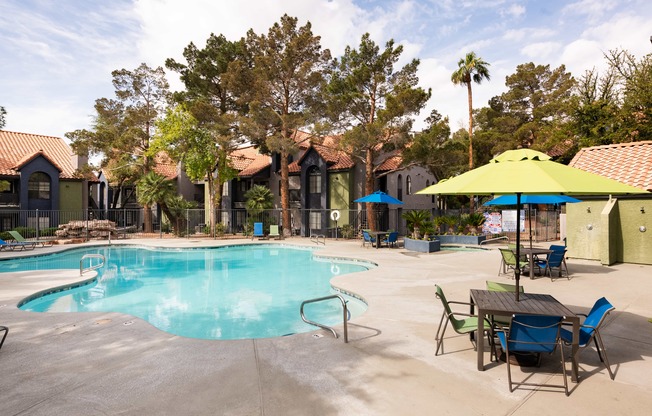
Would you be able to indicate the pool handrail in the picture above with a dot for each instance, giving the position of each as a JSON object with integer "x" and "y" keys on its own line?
{"x": 345, "y": 314}
{"x": 89, "y": 268}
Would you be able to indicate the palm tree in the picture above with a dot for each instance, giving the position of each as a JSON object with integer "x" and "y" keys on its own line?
{"x": 258, "y": 199}
{"x": 154, "y": 188}
{"x": 470, "y": 69}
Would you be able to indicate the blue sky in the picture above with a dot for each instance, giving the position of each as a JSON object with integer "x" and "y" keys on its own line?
{"x": 57, "y": 56}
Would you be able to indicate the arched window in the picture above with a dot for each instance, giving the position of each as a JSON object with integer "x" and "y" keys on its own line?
{"x": 408, "y": 185}
{"x": 314, "y": 180}
{"x": 399, "y": 188}
{"x": 38, "y": 186}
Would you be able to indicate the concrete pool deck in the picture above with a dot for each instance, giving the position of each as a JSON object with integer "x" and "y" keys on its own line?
{"x": 111, "y": 363}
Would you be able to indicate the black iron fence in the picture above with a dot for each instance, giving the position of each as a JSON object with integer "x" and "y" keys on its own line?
{"x": 543, "y": 225}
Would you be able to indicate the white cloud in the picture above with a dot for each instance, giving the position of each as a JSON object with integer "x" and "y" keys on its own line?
{"x": 514, "y": 10}
{"x": 541, "y": 51}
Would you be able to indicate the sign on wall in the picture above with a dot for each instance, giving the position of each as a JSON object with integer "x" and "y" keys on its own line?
{"x": 509, "y": 220}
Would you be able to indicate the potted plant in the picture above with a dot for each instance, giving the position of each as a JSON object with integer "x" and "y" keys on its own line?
{"x": 474, "y": 221}
{"x": 415, "y": 220}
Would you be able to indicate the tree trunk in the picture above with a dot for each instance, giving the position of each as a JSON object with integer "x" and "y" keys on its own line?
{"x": 217, "y": 206}
{"x": 285, "y": 194}
{"x": 470, "y": 93}
{"x": 369, "y": 189}
{"x": 147, "y": 218}
{"x": 209, "y": 204}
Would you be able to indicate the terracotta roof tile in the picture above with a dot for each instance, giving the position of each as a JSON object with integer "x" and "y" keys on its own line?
{"x": 629, "y": 163}
{"x": 392, "y": 163}
{"x": 16, "y": 149}
{"x": 165, "y": 166}
{"x": 249, "y": 161}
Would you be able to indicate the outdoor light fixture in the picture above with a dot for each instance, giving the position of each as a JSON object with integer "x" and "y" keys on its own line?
{"x": 588, "y": 209}
{"x": 642, "y": 210}
{"x": 642, "y": 228}
{"x": 589, "y": 227}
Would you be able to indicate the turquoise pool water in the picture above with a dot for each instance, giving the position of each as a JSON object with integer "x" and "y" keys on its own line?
{"x": 237, "y": 292}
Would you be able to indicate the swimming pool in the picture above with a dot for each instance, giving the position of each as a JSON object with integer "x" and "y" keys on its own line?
{"x": 235, "y": 292}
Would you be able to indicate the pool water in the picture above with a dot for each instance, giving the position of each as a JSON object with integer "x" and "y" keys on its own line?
{"x": 237, "y": 292}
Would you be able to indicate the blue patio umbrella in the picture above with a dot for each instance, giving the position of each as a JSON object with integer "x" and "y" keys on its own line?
{"x": 531, "y": 199}
{"x": 379, "y": 197}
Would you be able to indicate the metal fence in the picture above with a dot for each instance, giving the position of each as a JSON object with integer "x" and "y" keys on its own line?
{"x": 195, "y": 222}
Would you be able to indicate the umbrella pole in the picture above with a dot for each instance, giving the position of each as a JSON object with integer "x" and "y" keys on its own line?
{"x": 517, "y": 269}
{"x": 529, "y": 212}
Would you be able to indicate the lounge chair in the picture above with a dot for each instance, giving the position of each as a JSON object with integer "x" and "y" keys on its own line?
{"x": 554, "y": 260}
{"x": 366, "y": 238}
{"x": 258, "y": 230}
{"x": 273, "y": 232}
{"x": 20, "y": 239}
{"x": 6, "y": 331}
{"x": 589, "y": 330}
{"x": 508, "y": 262}
{"x": 533, "y": 334}
{"x": 14, "y": 245}
{"x": 462, "y": 323}
{"x": 392, "y": 239}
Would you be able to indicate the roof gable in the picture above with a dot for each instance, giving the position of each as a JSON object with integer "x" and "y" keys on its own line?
{"x": 18, "y": 149}
{"x": 629, "y": 163}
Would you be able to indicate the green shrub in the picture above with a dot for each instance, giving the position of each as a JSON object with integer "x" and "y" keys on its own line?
{"x": 347, "y": 231}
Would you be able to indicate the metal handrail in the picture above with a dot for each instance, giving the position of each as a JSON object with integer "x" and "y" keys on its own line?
{"x": 89, "y": 268}
{"x": 315, "y": 238}
{"x": 345, "y": 314}
{"x": 502, "y": 237}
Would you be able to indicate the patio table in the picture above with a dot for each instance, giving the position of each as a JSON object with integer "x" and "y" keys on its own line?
{"x": 504, "y": 303}
{"x": 378, "y": 235}
{"x": 531, "y": 253}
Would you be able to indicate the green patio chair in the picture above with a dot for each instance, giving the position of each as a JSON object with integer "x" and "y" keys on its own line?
{"x": 273, "y": 232}
{"x": 462, "y": 323}
{"x": 509, "y": 262}
{"x": 19, "y": 238}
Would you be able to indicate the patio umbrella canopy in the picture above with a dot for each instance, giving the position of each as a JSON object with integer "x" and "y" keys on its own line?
{"x": 525, "y": 171}
{"x": 531, "y": 199}
{"x": 379, "y": 197}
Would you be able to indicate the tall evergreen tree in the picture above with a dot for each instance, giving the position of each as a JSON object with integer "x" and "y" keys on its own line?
{"x": 281, "y": 84}
{"x": 372, "y": 103}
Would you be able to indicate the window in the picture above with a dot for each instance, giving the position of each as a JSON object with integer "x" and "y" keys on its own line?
{"x": 314, "y": 221}
{"x": 399, "y": 190}
{"x": 314, "y": 180}
{"x": 39, "y": 186}
{"x": 408, "y": 185}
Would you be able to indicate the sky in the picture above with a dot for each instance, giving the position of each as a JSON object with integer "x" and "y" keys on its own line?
{"x": 57, "y": 56}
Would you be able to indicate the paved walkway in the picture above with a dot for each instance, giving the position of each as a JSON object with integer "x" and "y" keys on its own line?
{"x": 92, "y": 363}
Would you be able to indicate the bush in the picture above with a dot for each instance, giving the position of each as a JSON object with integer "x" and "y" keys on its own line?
{"x": 220, "y": 229}
{"x": 347, "y": 231}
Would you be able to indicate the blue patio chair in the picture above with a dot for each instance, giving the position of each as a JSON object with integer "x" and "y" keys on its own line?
{"x": 14, "y": 245}
{"x": 366, "y": 238}
{"x": 392, "y": 239}
{"x": 589, "y": 330}
{"x": 554, "y": 260}
{"x": 533, "y": 334}
{"x": 258, "y": 230}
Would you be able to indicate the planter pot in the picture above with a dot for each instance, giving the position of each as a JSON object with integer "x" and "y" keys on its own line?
{"x": 422, "y": 246}
{"x": 461, "y": 239}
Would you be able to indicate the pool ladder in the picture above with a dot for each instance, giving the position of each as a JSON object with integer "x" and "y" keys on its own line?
{"x": 345, "y": 315}
{"x": 91, "y": 267}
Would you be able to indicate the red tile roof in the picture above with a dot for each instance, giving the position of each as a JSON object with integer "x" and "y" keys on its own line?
{"x": 390, "y": 164}
{"x": 328, "y": 150}
{"x": 16, "y": 149}
{"x": 248, "y": 161}
{"x": 630, "y": 163}
{"x": 165, "y": 166}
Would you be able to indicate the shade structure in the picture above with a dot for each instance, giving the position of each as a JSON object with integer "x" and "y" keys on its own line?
{"x": 525, "y": 171}
{"x": 379, "y": 197}
{"x": 532, "y": 199}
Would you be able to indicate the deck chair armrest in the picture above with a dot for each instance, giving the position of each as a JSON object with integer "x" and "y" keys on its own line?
{"x": 460, "y": 303}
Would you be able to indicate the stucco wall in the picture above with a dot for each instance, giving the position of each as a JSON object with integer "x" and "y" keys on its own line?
{"x": 610, "y": 232}
{"x": 339, "y": 188}
{"x": 71, "y": 196}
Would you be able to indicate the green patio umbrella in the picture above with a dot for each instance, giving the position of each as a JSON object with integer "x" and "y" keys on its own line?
{"x": 526, "y": 171}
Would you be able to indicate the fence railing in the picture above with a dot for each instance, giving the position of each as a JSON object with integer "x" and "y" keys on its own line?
{"x": 196, "y": 222}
